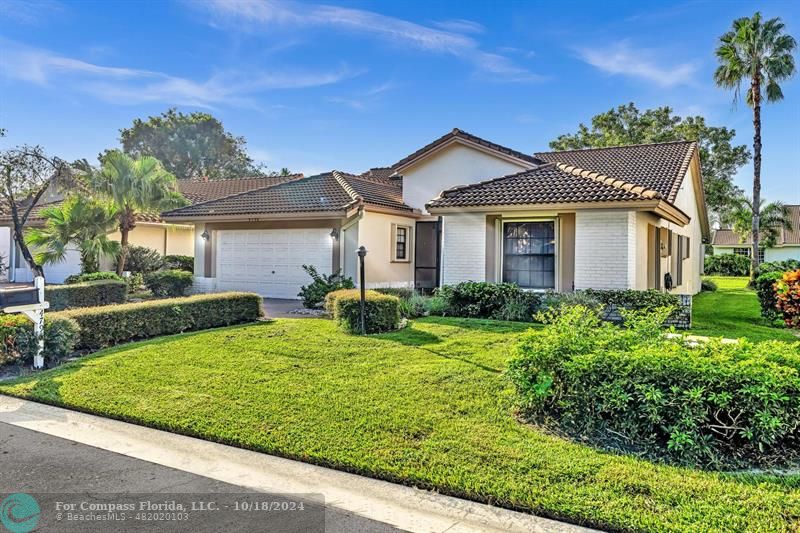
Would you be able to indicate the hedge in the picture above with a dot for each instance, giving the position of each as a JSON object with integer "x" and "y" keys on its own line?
{"x": 382, "y": 311}
{"x": 106, "y": 326}
{"x": 168, "y": 283}
{"x": 19, "y": 343}
{"x": 727, "y": 265}
{"x": 86, "y": 294}
{"x": 179, "y": 262}
{"x": 91, "y": 276}
{"x": 479, "y": 299}
{"x": 713, "y": 405}
{"x": 649, "y": 299}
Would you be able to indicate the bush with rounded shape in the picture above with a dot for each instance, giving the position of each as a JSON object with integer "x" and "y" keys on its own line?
{"x": 19, "y": 344}
{"x": 480, "y": 299}
{"x": 86, "y": 294}
{"x": 178, "y": 262}
{"x": 708, "y": 285}
{"x": 787, "y": 293}
{"x": 767, "y": 294}
{"x": 381, "y": 311}
{"x": 727, "y": 265}
{"x": 168, "y": 283}
{"x": 143, "y": 259}
{"x": 91, "y": 276}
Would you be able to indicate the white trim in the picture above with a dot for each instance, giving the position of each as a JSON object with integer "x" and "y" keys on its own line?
{"x": 556, "y": 243}
{"x": 393, "y": 241}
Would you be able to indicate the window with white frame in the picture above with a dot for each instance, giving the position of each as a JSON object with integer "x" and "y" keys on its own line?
{"x": 742, "y": 251}
{"x": 401, "y": 241}
{"x": 529, "y": 254}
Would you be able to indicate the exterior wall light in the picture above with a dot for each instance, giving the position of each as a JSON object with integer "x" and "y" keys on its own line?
{"x": 335, "y": 234}
{"x": 205, "y": 235}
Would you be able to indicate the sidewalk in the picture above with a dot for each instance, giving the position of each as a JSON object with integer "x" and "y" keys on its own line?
{"x": 396, "y": 505}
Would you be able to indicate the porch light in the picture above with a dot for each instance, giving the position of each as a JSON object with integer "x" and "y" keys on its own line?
{"x": 335, "y": 234}
{"x": 205, "y": 235}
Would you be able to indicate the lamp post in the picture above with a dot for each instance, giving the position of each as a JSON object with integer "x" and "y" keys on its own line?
{"x": 362, "y": 253}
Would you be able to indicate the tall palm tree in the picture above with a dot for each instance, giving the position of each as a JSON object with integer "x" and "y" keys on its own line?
{"x": 774, "y": 216}
{"x": 759, "y": 54}
{"x": 78, "y": 221}
{"x": 134, "y": 187}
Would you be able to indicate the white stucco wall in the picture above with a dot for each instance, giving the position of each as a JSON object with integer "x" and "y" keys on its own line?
{"x": 454, "y": 165}
{"x": 605, "y": 249}
{"x": 463, "y": 248}
{"x": 375, "y": 234}
{"x": 686, "y": 201}
{"x": 782, "y": 253}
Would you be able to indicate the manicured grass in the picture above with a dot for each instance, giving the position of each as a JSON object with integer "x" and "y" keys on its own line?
{"x": 427, "y": 406}
{"x": 732, "y": 311}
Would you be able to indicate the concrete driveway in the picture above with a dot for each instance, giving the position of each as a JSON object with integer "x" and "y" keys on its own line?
{"x": 278, "y": 308}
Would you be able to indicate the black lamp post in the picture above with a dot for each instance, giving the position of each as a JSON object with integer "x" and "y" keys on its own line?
{"x": 362, "y": 253}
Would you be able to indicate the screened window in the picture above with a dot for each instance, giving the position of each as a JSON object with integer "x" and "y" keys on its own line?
{"x": 529, "y": 250}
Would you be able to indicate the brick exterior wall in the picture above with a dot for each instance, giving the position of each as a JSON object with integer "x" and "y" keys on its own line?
{"x": 605, "y": 249}
{"x": 463, "y": 248}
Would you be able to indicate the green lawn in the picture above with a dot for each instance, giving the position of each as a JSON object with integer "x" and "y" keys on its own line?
{"x": 733, "y": 311}
{"x": 427, "y": 406}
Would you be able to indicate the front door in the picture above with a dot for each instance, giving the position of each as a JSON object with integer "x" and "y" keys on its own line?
{"x": 427, "y": 249}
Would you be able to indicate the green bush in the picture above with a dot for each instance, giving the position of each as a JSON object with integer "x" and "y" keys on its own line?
{"x": 106, "y": 326}
{"x": 168, "y": 283}
{"x": 436, "y": 306}
{"x": 143, "y": 259}
{"x": 712, "y": 405}
{"x": 708, "y": 285}
{"x": 381, "y": 311}
{"x": 778, "y": 266}
{"x": 91, "y": 276}
{"x": 85, "y": 294}
{"x": 727, "y": 265}
{"x": 767, "y": 295}
{"x": 649, "y": 299}
{"x": 178, "y": 262}
{"x": 479, "y": 299}
{"x": 135, "y": 282}
{"x": 19, "y": 343}
{"x": 404, "y": 293}
{"x": 313, "y": 294}
{"x": 556, "y": 300}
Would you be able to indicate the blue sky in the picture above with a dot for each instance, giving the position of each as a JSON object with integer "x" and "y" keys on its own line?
{"x": 315, "y": 86}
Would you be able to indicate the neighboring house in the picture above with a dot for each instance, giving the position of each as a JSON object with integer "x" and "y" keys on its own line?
{"x": 463, "y": 208}
{"x": 726, "y": 241}
{"x": 150, "y": 231}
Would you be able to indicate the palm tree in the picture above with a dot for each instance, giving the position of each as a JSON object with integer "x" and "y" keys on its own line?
{"x": 760, "y": 54}
{"x": 774, "y": 216}
{"x": 78, "y": 221}
{"x": 134, "y": 186}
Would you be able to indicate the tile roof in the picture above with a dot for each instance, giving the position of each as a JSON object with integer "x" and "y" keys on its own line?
{"x": 460, "y": 134}
{"x": 331, "y": 191}
{"x": 378, "y": 172}
{"x": 727, "y": 237}
{"x": 657, "y": 166}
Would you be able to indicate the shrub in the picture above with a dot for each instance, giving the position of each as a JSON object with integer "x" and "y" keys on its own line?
{"x": 382, "y": 311}
{"x": 767, "y": 296}
{"x": 168, "y": 283}
{"x": 404, "y": 293}
{"x": 787, "y": 292}
{"x": 85, "y": 294}
{"x": 19, "y": 343}
{"x": 708, "y": 285}
{"x": 106, "y": 326}
{"x": 649, "y": 299}
{"x": 632, "y": 389}
{"x": 313, "y": 294}
{"x": 91, "y": 276}
{"x": 727, "y": 265}
{"x": 779, "y": 266}
{"x": 436, "y": 306}
{"x": 179, "y": 262}
{"x": 478, "y": 299}
{"x": 135, "y": 282}
{"x": 556, "y": 300}
{"x": 143, "y": 259}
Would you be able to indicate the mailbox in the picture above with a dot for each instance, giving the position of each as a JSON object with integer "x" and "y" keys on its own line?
{"x": 17, "y": 297}
{"x": 30, "y": 302}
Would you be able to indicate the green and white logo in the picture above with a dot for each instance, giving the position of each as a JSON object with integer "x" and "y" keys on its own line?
{"x": 20, "y": 513}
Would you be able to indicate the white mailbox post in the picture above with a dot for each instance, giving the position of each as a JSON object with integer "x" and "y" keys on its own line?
{"x": 29, "y": 302}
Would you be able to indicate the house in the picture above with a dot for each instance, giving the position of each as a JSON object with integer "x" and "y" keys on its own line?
{"x": 150, "y": 231}
{"x": 787, "y": 246}
{"x": 464, "y": 208}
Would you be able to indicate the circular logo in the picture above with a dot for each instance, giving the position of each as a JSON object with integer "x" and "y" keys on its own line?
{"x": 20, "y": 513}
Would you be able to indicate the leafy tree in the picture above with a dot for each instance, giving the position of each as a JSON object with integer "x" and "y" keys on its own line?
{"x": 78, "y": 221}
{"x": 133, "y": 187}
{"x": 189, "y": 146}
{"x": 626, "y": 124}
{"x": 773, "y": 217}
{"x": 26, "y": 173}
{"x": 760, "y": 55}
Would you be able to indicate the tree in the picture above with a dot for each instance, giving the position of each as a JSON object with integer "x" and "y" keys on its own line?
{"x": 189, "y": 146}
{"x": 626, "y": 124}
{"x": 759, "y": 54}
{"x": 773, "y": 217}
{"x": 78, "y": 221}
{"x": 26, "y": 173}
{"x": 133, "y": 187}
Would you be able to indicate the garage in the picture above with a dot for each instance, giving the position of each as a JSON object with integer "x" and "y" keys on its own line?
{"x": 269, "y": 261}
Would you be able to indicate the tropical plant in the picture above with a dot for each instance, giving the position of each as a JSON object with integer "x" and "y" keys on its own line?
{"x": 313, "y": 294}
{"x": 758, "y": 53}
{"x": 134, "y": 186}
{"x": 79, "y": 221}
{"x": 773, "y": 216}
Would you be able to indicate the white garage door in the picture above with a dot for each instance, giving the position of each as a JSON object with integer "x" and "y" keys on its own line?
{"x": 269, "y": 261}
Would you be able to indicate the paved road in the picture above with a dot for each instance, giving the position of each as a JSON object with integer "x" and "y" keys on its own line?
{"x": 53, "y": 469}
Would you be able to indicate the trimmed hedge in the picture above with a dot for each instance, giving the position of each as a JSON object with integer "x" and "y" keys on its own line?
{"x": 91, "y": 276}
{"x": 382, "y": 311}
{"x": 480, "y": 299}
{"x": 168, "y": 283}
{"x": 19, "y": 343}
{"x": 106, "y": 326}
{"x": 86, "y": 294}
{"x": 713, "y": 405}
{"x": 179, "y": 262}
{"x": 649, "y": 299}
{"x": 727, "y": 265}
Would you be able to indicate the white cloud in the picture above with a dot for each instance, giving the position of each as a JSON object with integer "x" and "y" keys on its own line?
{"x": 29, "y": 12}
{"x": 452, "y": 41}
{"x": 460, "y": 26}
{"x": 621, "y": 59}
{"x": 133, "y": 86}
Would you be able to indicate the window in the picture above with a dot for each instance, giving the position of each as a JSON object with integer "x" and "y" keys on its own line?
{"x": 742, "y": 251}
{"x": 761, "y": 255}
{"x": 529, "y": 250}
{"x": 401, "y": 240}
